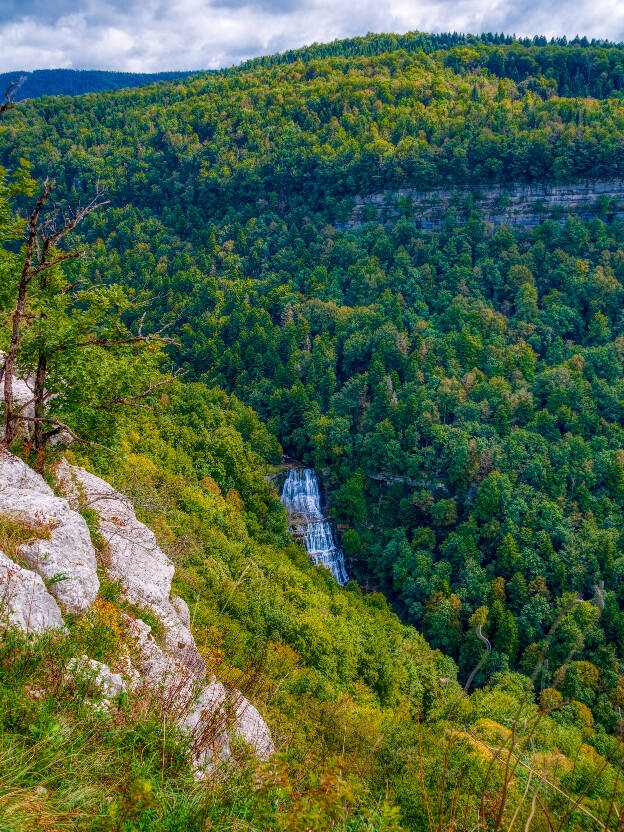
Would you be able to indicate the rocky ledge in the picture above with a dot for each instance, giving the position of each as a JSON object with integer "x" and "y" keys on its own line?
{"x": 522, "y": 205}
{"x": 57, "y": 574}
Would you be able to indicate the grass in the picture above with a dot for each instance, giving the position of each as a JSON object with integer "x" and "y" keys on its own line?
{"x": 494, "y": 761}
{"x": 67, "y": 765}
{"x": 93, "y": 523}
{"x": 14, "y": 533}
{"x": 112, "y": 592}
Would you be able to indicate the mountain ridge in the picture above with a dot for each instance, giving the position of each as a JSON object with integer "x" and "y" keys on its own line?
{"x": 41, "y": 82}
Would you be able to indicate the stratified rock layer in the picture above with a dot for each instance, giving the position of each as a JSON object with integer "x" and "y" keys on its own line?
{"x": 522, "y": 205}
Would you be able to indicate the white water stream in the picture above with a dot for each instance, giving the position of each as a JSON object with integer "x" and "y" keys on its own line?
{"x": 301, "y": 496}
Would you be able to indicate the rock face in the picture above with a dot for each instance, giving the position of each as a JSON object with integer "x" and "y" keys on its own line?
{"x": 60, "y": 553}
{"x": 174, "y": 666}
{"x": 206, "y": 722}
{"x": 14, "y": 473}
{"x": 523, "y": 205}
{"x": 134, "y": 558}
{"x": 250, "y": 725}
{"x": 99, "y": 674}
{"x": 60, "y": 550}
{"x": 23, "y": 398}
{"x": 24, "y": 600}
{"x": 203, "y": 711}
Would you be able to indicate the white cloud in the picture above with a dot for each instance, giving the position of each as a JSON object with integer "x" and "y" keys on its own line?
{"x": 152, "y": 35}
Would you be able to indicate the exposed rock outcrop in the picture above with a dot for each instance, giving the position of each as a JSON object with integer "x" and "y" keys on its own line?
{"x": 24, "y": 600}
{"x": 14, "y": 473}
{"x": 250, "y": 725}
{"x": 133, "y": 558}
{"x": 205, "y": 711}
{"x": 99, "y": 674}
{"x": 61, "y": 554}
{"x": 523, "y": 205}
{"x": 206, "y": 722}
{"x": 60, "y": 550}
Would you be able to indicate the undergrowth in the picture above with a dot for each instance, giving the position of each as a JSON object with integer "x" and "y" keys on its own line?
{"x": 14, "y": 533}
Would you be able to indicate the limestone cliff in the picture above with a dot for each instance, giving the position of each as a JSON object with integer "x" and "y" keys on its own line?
{"x": 57, "y": 574}
{"x": 522, "y": 205}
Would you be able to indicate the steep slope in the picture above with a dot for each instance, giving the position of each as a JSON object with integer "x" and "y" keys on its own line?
{"x": 462, "y": 389}
{"x": 353, "y": 697}
{"x": 460, "y": 393}
{"x": 61, "y": 553}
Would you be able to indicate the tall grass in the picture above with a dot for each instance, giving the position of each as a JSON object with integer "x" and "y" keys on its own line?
{"x": 508, "y": 791}
{"x": 68, "y": 765}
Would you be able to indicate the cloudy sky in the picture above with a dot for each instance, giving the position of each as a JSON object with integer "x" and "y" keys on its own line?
{"x": 152, "y": 35}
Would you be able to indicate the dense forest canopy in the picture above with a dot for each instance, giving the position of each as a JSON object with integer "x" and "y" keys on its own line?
{"x": 463, "y": 390}
{"x": 579, "y": 66}
{"x": 41, "y": 82}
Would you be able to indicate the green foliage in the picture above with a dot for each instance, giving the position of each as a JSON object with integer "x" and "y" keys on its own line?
{"x": 64, "y": 763}
{"x": 463, "y": 382}
{"x": 355, "y": 695}
{"x": 460, "y": 391}
{"x": 77, "y": 82}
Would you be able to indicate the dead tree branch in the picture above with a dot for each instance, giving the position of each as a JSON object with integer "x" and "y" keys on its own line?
{"x": 134, "y": 401}
{"x": 40, "y": 257}
{"x": 9, "y": 96}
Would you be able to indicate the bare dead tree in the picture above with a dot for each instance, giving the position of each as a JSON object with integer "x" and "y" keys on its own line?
{"x": 9, "y": 95}
{"x": 40, "y": 256}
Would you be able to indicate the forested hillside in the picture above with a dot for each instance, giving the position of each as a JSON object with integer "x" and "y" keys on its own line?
{"x": 41, "y": 82}
{"x": 462, "y": 392}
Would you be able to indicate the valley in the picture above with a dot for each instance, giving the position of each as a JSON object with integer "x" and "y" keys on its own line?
{"x": 399, "y": 261}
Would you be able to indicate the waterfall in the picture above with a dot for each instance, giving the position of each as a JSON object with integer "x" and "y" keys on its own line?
{"x": 302, "y": 498}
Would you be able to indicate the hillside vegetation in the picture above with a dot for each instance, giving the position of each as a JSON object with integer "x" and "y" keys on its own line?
{"x": 461, "y": 392}
{"x": 356, "y": 701}
{"x": 42, "y": 82}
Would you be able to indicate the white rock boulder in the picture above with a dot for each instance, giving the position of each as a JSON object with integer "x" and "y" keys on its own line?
{"x": 14, "y": 473}
{"x": 60, "y": 553}
{"x": 207, "y": 712}
{"x": 24, "y": 600}
{"x": 252, "y": 728}
{"x": 134, "y": 558}
{"x": 99, "y": 674}
{"x": 60, "y": 549}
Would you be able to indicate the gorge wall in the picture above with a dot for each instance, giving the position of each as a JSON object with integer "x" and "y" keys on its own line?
{"x": 520, "y": 205}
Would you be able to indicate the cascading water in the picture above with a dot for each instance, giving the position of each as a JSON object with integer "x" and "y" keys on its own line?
{"x": 302, "y": 498}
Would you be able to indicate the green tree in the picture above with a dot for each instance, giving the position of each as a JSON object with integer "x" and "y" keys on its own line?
{"x": 349, "y": 501}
